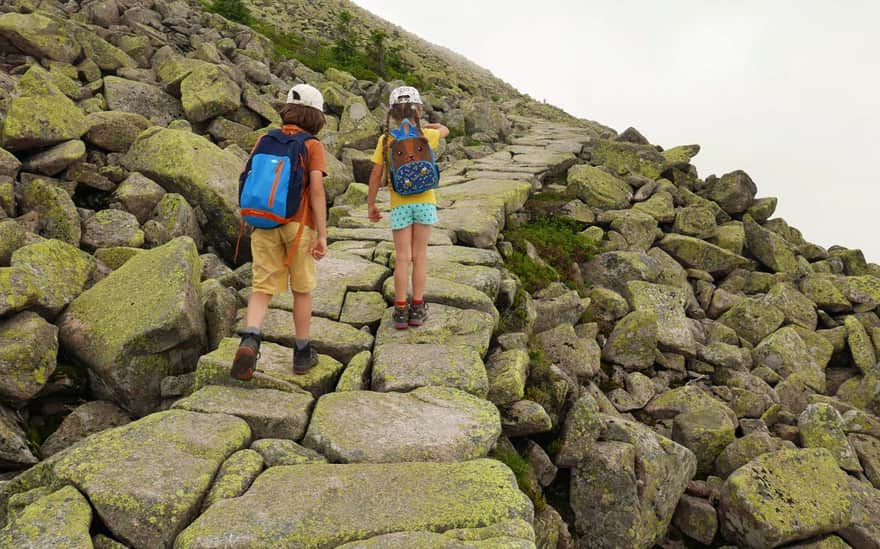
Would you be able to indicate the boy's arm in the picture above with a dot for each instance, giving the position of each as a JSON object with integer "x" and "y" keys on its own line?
{"x": 318, "y": 204}
{"x": 375, "y": 181}
{"x": 444, "y": 131}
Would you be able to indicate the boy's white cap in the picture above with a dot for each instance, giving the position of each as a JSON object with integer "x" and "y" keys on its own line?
{"x": 405, "y": 94}
{"x": 303, "y": 94}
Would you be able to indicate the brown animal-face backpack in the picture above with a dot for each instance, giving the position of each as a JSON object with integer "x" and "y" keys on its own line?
{"x": 410, "y": 161}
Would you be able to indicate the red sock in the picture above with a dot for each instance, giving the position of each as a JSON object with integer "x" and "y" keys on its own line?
{"x": 418, "y": 301}
{"x": 400, "y": 304}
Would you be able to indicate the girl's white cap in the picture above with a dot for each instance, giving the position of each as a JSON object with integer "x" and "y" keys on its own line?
{"x": 303, "y": 94}
{"x": 405, "y": 94}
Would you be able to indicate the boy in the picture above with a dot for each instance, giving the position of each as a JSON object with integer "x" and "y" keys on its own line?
{"x": 286, "y": 254}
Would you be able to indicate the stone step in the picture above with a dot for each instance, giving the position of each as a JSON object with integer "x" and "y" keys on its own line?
{"x": 447, "y": 292}
{"x": 328, "y": 505}
{"x": 274, "y": 370}
{"x": 446, "y": 326}
{"x": 404, "y": 367}
{"x": 428, "y": 424}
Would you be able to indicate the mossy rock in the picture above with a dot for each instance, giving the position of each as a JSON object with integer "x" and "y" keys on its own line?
{"x": 28, "y": 355}
{"x": 583, "y": 425}
{"x": 235, "y": 476}
{"x": 40, "y": 121}
{"x": 59, "y": 519}
{"x": 19, "y": 289}
{"x": 41, "y": 36}
{"x": 208, "y": 91}
{"x": 140, "y": 324}
{"x": 403, "y": 367}
{"x": 822, "y": 290}
{"x": 116, "y": 256}
{"x": 696, "y": 518}
{"x": 62, "y": 273}
{"x": 278, "y": 452}
{"x": 447, "y": 326}
{"x": 753, "y": 320}
{"x": 821, "y": 426}
{"x": 357, "y": 127}
{"x": 115, "y": 131}
{"x": 367, "y": 500}
{"x": 12, "y": 237}
{"x": 507, "y": 373}
{"x": 192, "y": 166}
{"x": 734, "y": 192}
{"x": 438, "y": 289}
{"x": 860, "y": 346}
{"x": 597, "y": 188}
{"x": 699, "y": 254}
{"x": 660, "y": 206}
{"x": 150, "y": 101}
{"x": 785, "y": 352}
{"x": 427, "y": 424}
{"x": 104, "y": 54}
{"x": 783, "y": 497}
{"x": 629, "y": 158}
{"x": 109, "y": 228}
{"x": 771, "y": 249}
{"x": 633, "y": 341}
{"x": 706, "y": 432}
{"x": 58, "y": 216}
{"x": 667, "y": 302}
{"x": 797, "y": 307}
{"x": 357, "y": 373}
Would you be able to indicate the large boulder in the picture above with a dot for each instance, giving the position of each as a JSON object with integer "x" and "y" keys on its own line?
{"x": 597, "y": 188}
{"x": 40, "y": 36}
{"x": 111, "y": 228}
{"x": 59, "y": 519}
{"x": 327, "y": 505}
{"x": 146, "y": 480}
{"x": 35, "y": 121}
{"x": 633, "y": 341}
{"x": 140, "y": 324}
{"x": 699, "y": 254}
{"x": 427, "y": 424}
{"x": 87, "y": 419}
{"x": 61, "y": 273}
{"x": 14, "y": 449}
{"x": 141, "y": 98}
{"x": 58, "y": 216}
{"x": 771, "y": 249}
{"x": 56, "y": 159}
{"x": 613, "y": 270}
{"x": 668, "y": 303}
{"x": 404, "y": 367}
{"x": 629, "y": 158}
{"x": 190, "y": 165}
{"x": 625, "y": 490}
{"x": 28, "y": 353}
{"x": 101, "y": 52}
{"x": 208, "y": 91}
{"x": 821, "y": 426}
{"x": 734, "y": 192}
{"x": 115, "y": 131}
{"x": 358, "y": 128}
{"x": 783, "y": 497}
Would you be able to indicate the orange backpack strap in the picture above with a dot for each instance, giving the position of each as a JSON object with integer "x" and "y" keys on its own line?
{"x": 302, "y": 226}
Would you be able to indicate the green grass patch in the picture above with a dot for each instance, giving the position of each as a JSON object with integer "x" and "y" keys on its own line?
{"x": 522, "y": 471}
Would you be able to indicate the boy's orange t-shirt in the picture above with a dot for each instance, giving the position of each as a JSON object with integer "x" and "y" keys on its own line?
{"x": 317, "y": 162}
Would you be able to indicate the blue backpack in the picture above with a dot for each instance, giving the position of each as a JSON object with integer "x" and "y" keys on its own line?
{"x": 272, "y": 183}
{"x": 411, "y": 163}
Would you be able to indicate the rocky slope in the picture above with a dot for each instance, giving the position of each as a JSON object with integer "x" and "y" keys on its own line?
{"x": 712, "y": 379}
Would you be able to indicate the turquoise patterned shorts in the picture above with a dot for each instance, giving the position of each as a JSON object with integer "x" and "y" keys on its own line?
{"x": 407, "y": 214}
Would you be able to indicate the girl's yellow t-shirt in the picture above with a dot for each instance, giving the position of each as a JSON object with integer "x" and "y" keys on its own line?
{"x": 427, "y": 197}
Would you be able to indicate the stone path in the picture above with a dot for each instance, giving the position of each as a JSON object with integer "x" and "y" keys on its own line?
{"x": 383, "y": 443}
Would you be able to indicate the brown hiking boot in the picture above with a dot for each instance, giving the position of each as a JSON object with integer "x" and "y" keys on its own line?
{"x": 245, "y": 362}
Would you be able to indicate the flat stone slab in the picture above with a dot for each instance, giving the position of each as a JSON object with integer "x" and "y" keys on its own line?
{"x": 451, "y": 293}
{"x": 445, "y": 326}
{"x": 363, "y": 309}
{"x": 427, "y": 424}
{"x": 461, "y": 254}
{"x": 335, "y": 234}
{"x": 328, "y": 505}
{"x": 270, "y": 413}
{"x": 274, "y": 370}
{"x": 335, "y": 339}
{"x": 404, "y": 367}
{"x": 477, "y": 225}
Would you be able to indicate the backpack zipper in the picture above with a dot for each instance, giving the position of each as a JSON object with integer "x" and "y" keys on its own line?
{"x": 278, "y": 171}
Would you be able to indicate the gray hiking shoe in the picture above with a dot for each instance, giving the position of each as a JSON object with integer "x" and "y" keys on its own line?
{"x": 305, "y": 359}
{"x": 418, "y": 314}
{"x": 401, "y": 317}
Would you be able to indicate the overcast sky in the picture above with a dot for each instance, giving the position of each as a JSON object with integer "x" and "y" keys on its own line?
{"x": 787, "y": 90}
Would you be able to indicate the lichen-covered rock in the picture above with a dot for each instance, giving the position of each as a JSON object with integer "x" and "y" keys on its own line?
{"x": 35, "y": 121}
{"x": 699, "y": 254}
{"x": 192, "y": 166}
{"x": 753, "y": 320}
{"x": 612, "y": 270}
{"x": 9, "y": 164}
{"x": 797, "y": 308}
{"x": 619, "y": 504}
{"x": 19, "y": 289}
{"x": 60, "y": 519}
{"x": 696, "y": 221}
{"x": 357, "y": 127}
{"x": 141, "y": 98}
{"x": 14, "y": 449}
{"x": 864, "y": 529}
{"x": 138, "y": 196}
{"x": 597, "y": 188}
{"x": 583, "y": 425}
{"x": 771, "y": 249}
{"x": 87, "y": 419}
{"x": 821, "y": 426}
{"x": 208, "y": 91}
{"x": 147, "y": 479}
{"x": 783, "y": 497}
{"x": 427, "y": 424}
{"x": 109, "y": 228}
{"x": 269, "y": 413}
{"x": 28, "y": 354}
{"x": 290, "y": 505}
{"x": 696, "y": 518}
{"x": 553, "y": 310}
{"x": 822, "y": 290}
{"x": 281, "y": 451}
{"x": 177, "y": 218}
{"x": 577, "y": 356}
{"x": 524, "y": 418}
{"x": 114, "y": 131}
{"x": 867, "y": 449}
{"x": 140, "y": 324}
{"x": 448, "y": 326}
{"x": 734, "y": 192}
{"x": 235, "y": 476}
{"x": 633, "y": 158}
{"x": 56, "y": 159}
{"x": 58, "y": 217}
{"x": 860, "y": 345}
{"x": 12, "y": 237}
{"x": 633, "y": 341}
{"x": 706, "y": 432}
{"x": 785, "y": 352}
{"x": 61, "y": 270}
{"x": 357, "y": 373}
{"x": 104, "y": 54}
{"x": 667, "y": 302}
{"x": 38, "y": 35}
{"x": 403, "y": 367}
{"x": 686, "y": 399}
{"x": 449, "y": 293}
{"x": 660, "y": 206}
{"x": 507, "y": 372}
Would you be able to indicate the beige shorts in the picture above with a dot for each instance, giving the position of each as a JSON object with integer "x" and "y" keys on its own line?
{"x": 269, "y": 248}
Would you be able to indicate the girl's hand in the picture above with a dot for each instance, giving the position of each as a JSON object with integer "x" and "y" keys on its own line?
{"x": 374, "y": 214}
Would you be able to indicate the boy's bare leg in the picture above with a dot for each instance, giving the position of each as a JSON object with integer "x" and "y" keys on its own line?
{"x": 257, "y": 307}
{"x": 302, "y": 314}
{"x": 421, "y": 234}
{"x": 403, "y": 239}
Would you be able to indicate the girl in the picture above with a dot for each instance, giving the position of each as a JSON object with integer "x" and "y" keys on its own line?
{"x": 411, "y": 216}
